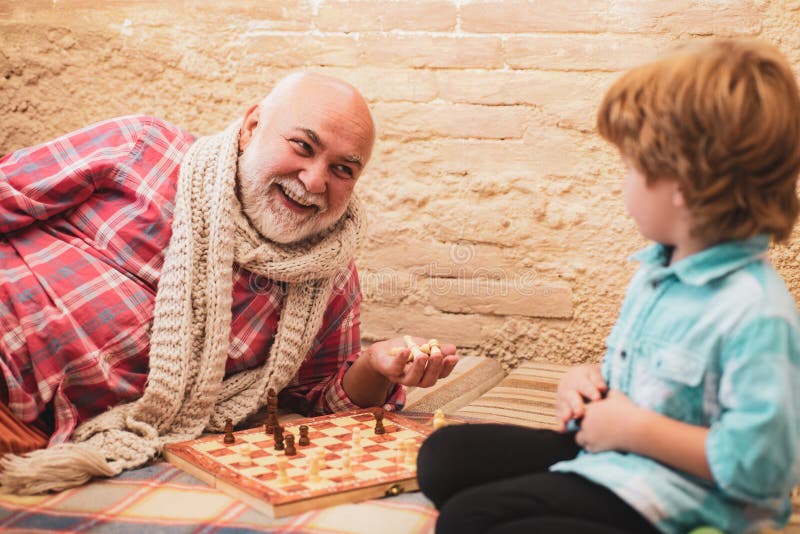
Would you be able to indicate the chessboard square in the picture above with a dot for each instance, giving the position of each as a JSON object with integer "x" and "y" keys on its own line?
{"x": 390, "y": 468}
{"x": 338, "y": 446}
{"x": 208, "y": 446}
{"x": 364, "y": 417}
{"x": 260, "y": 453}
{"x": 375, "y": 448}
{"x": 336, "y": 431}
{"x": 378, "y": 464}
{"x": 269, "y": 475}
{"x": 262, "y": 443}
{"x": 324, "y": 441}
{"x": 294, "y": 488}
{"x": 218, "y": 453}
{"x": 322, "y": 425}
{"x": 383, "y": 438}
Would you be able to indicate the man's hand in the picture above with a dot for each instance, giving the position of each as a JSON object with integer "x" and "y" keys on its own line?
{"x": 609, "y": 424}
{"x": 370, "y": 378}
{"x": 423, "y": 371}
{"x": 578, "y": 386}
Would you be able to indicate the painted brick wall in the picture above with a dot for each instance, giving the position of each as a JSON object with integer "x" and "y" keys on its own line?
{"x": 495, "y": 209}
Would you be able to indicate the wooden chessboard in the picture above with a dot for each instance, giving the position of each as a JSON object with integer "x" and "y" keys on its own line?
{"x": 378, "y": 467}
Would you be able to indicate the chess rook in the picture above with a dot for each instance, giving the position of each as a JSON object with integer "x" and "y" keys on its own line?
{"x": 379, "y": 429}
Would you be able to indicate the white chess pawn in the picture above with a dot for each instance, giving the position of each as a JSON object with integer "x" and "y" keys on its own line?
{"x": 245, "y": 452}
{"x": 283, "y": 464}
{"x": 356, "y": 441}
{"x": 347, "y": 463}
{"x": 438, "y": 419}
{"x": 320, "y": 458}
{"x": 313, "y": 469}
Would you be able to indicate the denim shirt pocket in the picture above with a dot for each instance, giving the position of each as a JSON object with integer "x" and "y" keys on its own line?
{"x": 670, "y": 381}
{"x": 677, "y": 363}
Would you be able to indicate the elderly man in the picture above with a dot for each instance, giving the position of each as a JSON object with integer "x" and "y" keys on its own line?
{"x": 153, "y": 285}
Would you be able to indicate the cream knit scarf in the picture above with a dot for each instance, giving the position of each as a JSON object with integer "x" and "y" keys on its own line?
{"x": 185, "y": 391}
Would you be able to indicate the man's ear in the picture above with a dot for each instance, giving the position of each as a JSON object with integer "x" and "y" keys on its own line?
{"x": 248, "y": 126}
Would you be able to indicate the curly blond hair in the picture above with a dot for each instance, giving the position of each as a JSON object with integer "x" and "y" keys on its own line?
{"x": 723, "y": 119}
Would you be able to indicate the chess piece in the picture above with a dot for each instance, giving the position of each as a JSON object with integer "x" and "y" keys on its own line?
{"x": 289, "y": 440}
{"x": 320, "y": 457}
{"x": 379, "y": 429}
{"x": 438, "y": 419}
{"x": 283, "y": 464}
{"x": 228, "y": 439}
{"x": 435, "y": 349}
{"x": 313, "y": 469}
{"x": 303, "y": 441}
{"x": 278, "y": 434}
{"x": 347, "y": 463}
{"x": 245, "y": 452}
{"x": 356, "y": 437}
{"x": 272, "y": 411}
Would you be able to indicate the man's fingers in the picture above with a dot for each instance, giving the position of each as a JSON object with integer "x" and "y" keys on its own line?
{"x": 448, "y": 349}
{"x": 431, "y": 374}
{"x": 448, "y": 364}
{"x": 415, "y": 370}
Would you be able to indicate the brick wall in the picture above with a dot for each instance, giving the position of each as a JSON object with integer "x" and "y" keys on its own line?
{"x": 495, "y": 212}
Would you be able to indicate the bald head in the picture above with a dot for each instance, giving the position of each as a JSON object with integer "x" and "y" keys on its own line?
{"x": 306, "y": 93}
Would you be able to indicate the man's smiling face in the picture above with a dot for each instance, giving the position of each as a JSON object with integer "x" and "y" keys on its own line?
{"x": 304, "y": 148}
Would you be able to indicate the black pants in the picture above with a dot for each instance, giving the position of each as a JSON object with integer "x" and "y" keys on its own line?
{"x": 495, "y": 478}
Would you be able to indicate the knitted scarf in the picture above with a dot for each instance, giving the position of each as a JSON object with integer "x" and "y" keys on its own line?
{"x": 185, "y": 391}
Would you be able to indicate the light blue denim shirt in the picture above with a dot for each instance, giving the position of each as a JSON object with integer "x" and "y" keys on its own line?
{"x": 713, "y": 340}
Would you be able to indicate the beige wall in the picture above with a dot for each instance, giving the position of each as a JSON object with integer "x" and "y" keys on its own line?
{"x": 495, "y": 211}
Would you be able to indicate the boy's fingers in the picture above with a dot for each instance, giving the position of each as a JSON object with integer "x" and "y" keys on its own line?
{"x": 575, "y": 403}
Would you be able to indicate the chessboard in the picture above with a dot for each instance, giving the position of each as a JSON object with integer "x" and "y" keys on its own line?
{"x": 250, "y": 469}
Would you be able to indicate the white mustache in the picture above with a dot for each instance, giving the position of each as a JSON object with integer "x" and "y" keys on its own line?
{"x": 298, "y": 192}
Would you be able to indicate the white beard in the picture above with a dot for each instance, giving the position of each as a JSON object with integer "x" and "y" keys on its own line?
{"x": 263, "y": 205}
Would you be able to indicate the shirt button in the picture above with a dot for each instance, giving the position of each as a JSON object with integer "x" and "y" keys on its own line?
{"x": 622, "y": 354}
{"x": 654, "y": 284}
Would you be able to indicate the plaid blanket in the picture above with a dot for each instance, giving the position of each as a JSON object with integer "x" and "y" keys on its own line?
{"x": 160, "y": 499}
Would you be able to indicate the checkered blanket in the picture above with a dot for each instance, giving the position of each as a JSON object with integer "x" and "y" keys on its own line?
{"x": 160, "y": 499}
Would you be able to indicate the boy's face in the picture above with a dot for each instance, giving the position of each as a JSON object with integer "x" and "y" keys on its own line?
{"x": 657, "y": 208}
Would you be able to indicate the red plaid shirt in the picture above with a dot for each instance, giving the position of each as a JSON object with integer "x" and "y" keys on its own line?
{"x": 84, "y": 222}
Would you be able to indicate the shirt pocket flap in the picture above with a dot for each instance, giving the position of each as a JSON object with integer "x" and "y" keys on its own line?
{"x": 679, "y": 364}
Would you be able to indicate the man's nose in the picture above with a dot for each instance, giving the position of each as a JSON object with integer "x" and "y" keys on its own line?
{"x": 314, "y": 178}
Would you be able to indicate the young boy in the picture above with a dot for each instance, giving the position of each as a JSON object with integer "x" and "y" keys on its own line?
{"x": 693, "y": 417}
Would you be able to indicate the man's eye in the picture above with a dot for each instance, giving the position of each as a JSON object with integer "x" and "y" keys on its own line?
{"x": 344, "y": 171}
{"x": 305, "y": 147}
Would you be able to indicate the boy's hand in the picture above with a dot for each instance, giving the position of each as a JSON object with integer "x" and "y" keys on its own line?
{"x": 608, "y": 424}
{"x": 579, "y": 385}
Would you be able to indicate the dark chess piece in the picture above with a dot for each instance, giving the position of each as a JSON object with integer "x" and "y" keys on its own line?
{"x": 228, "y": 439}
{"x": 278, "y": 438}
{"x": 290, "y": 450}
{"x": 303, "y": 441}
{"x": 379, "y": 422}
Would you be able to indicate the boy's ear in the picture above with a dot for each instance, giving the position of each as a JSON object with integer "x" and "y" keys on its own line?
{"x": 678, "y": 200}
